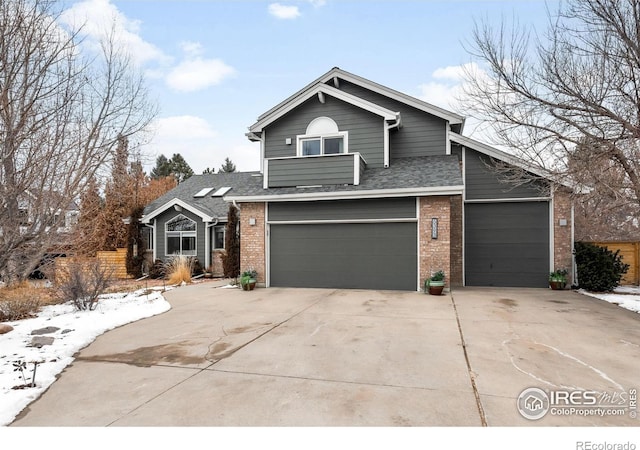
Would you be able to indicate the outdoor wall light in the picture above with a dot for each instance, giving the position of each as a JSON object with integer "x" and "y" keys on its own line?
{"x": 563, "y": 222}
{"x": 434, "y": 228}
{"x": 252, "y": 221}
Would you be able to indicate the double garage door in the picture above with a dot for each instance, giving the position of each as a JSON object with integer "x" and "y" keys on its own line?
{"x": 362, "y": 245}
{"x": 507, "y": 244}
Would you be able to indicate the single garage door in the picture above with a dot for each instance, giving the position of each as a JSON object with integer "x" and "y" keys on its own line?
{"x": 507, "y": 244}
{"x": 344, "y": 255}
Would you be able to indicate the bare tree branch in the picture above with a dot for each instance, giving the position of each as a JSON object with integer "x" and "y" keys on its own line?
{"x": 60, "y": 118}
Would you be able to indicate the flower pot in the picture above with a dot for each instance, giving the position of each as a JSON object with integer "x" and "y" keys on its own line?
{"x": 248, "y": 285}
{"x": 435, "y": 287}
{"x": 557, "y": 285}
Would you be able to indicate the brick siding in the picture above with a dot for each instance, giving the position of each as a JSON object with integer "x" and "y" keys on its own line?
{"x": 435, "y": 254}
{"x": 252, "y": 239}
{"x": 562, "y": 255}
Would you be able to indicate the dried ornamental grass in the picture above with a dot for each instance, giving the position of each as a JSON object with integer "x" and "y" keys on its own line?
{"x": 179, "y": 269}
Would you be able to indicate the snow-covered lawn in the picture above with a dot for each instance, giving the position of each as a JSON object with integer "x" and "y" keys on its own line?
{"x": 75, "y": 330}
{"x": 627, "y": 297}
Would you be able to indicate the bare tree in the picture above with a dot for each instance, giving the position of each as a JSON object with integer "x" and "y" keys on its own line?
{"x": 60, "y": 118}
{"x": 568, "y": 101}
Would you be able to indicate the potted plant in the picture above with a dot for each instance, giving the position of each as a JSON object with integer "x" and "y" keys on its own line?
{"x": 435, "y": 284}
{"x": 248, "y": 279}
{"x": 558, "y": 279}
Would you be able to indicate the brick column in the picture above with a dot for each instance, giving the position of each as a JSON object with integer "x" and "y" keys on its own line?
{"x": 252, "y": 239}
{"x": 435, "y": 254}
{"x": 562, "y": 250}
{"x": 456, "y": 240}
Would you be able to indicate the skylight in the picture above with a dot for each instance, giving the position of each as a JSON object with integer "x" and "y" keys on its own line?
{"x": 202, "y": 192}
{"x": 220, "y": 192}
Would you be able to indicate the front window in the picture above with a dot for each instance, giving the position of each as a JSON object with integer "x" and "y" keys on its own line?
{"x": 218, "y": 237}
{"x": 181, "y": 236}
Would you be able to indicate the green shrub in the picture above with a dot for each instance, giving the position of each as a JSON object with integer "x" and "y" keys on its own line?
{"x": 599, "y": 269}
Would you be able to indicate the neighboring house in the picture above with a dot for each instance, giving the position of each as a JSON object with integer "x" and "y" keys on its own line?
{"x": 190, "y": 219}
{"x": 32, "y": 209}
{"x": 362, "y": 186}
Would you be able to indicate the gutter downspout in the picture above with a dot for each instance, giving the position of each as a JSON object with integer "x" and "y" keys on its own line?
{"x": 397, "y": 123}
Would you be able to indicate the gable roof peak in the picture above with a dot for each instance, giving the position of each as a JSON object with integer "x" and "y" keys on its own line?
{"x": 337, "y": 73}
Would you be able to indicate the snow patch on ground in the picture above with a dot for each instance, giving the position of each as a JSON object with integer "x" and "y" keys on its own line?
{"x": 627, "y": 297}
{"x": 83, "y": 327}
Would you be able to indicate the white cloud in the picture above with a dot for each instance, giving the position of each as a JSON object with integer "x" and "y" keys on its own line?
{"x": 283, "y": 12}
{"x": 318, "y": 3}
{"x": 200, "y": 144}
{"x": 447, "y": 90}
{"x": 195, "y": 73}
{"x": 98, "y": 18}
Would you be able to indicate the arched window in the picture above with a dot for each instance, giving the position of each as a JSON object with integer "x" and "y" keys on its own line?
{"x": 322, "y": 137}
{"x": 181, "y": 236}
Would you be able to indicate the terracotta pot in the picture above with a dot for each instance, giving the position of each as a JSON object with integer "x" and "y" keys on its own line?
{"x": 436, "y": 290}
{"x": 557, "y": 285}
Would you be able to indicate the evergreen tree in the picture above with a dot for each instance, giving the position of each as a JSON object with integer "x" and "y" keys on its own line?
{"x": 231, "y": 256}
{"x": 162, "y": 168}
{"x": 88, "y": 234}
{"x": 118, "y": 198}
{"x": 176, "y": 167}
{"x": 208, "y": 170}
{"x": 179, "y": 168}
{"x": 135, "y": 243}
{"x": 228, "y": 166}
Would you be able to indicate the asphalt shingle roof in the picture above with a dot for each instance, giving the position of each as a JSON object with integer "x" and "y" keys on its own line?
{"x": 418, "y": 172}
{"x": 214, "y": 206}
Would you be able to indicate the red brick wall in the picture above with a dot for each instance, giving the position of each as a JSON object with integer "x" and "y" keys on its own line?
{"x": 456, "y": 240}
{"x": 216, "y": 263}
{"x": 252, "y": 239}
{"x": 435, "y": 254}
{"x": 562, "y": 256}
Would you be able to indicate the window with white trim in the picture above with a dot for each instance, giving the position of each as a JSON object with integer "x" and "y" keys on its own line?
{"x": 322, "y": 137}
{"x": 181, "y": 236}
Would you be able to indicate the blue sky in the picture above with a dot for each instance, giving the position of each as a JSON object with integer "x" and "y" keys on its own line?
{"x": 214, "y": 66}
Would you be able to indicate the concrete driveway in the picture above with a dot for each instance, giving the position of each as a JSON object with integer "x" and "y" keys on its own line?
{"x": 289, "y": 357}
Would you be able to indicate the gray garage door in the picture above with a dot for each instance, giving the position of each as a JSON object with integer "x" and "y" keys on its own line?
{"x": 507, "y": 244}
{"x": 345, "y": 255}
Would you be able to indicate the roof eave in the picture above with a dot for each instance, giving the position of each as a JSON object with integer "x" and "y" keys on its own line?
{"x": 343, "y": 195}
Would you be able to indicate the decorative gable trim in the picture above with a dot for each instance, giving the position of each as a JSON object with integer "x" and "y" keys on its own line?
{"x": 336, "y": 73}
{"x": 295, "y": 101}
{"x": 449, "y": 116}
{"x": 172, "y": 204}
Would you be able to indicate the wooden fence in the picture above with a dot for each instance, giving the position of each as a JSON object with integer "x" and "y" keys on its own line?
{"x": 115, "y": 260}
{"x": 630, "y": 252}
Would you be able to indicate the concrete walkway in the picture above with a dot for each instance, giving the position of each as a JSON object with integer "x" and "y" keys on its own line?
{"x": 306, "y": 357}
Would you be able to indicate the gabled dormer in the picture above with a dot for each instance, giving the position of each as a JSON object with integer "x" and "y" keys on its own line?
{"x": 335, "y": 128}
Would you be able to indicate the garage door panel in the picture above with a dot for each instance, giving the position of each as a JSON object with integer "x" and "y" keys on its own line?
{"x": 366, "y": 256}
{"x": 507, "y": 244}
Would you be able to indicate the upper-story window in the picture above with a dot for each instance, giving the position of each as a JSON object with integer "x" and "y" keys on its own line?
{"x": 322, "y": 137}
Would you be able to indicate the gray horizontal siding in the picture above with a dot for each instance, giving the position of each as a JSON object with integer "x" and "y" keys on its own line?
{"x": 161, "y": 242}
{"x": 482, "y": 182}
{"x": 366, "y": 130}
{"x": 384, "y": 208}
{"x": 311, "y": 171}
{"x": 421, "y": 134}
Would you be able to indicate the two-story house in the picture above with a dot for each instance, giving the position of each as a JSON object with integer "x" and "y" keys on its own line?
{"x": 362, "y": 186}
